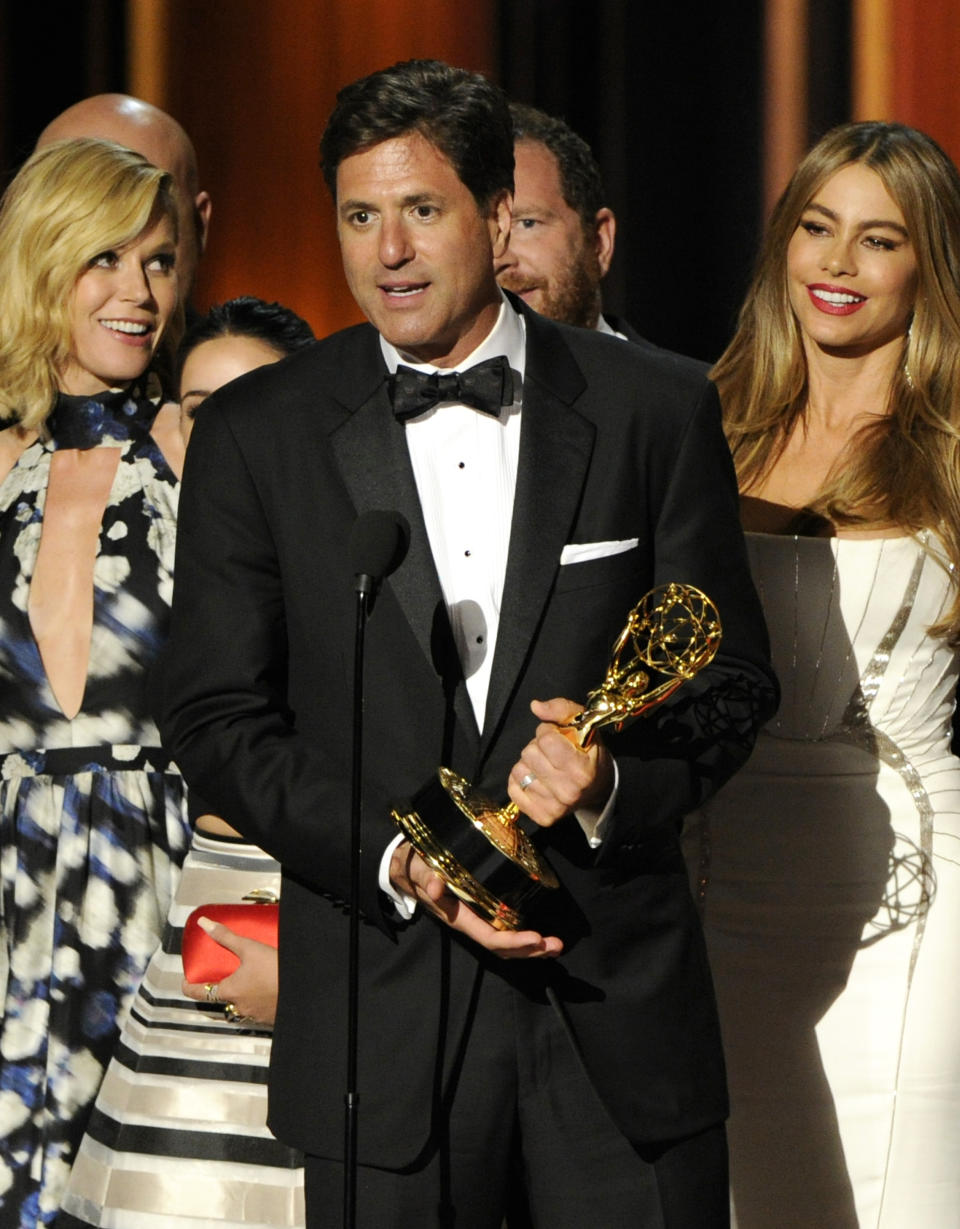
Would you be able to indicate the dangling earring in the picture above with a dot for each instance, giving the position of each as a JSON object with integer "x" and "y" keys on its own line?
{"x": 906, "y": 356}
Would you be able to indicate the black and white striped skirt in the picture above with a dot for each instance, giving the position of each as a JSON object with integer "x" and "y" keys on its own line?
{"x": 179, "y": 1133}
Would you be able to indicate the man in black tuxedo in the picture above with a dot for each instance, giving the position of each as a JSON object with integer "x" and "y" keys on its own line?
{"x": 584, "y": 1050}
{"x": 563, "y": 233}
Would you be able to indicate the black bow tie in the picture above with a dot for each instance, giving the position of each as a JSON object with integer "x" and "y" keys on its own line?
{"x": 488, "y": 387}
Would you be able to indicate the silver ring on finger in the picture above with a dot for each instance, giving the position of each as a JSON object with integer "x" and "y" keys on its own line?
{"x": 528, "y": 780}
{"x": 211, "y": 991}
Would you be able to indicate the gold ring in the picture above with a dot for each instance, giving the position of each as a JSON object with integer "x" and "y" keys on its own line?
{"x": 231, "y": 1014}
{"x": 211, "y": 990}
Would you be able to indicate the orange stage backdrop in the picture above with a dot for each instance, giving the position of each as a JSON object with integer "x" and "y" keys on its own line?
{"x": 907, "y": 65}
{"x": 252, "y": 81}
{"x": 262, "y": 78}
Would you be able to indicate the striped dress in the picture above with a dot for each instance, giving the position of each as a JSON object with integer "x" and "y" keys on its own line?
{"x": 179, "y": 1136}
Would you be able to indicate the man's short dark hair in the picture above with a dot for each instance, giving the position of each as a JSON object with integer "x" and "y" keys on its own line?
{"x": 461, "y": 113}
{"x": 580, "y": 179}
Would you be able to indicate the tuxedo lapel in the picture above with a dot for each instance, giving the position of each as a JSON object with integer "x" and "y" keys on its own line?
{"x": 555, "y": 448}
{"x": 371, "y": 451}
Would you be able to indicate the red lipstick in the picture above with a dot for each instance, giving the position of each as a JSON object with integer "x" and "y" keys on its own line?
{"x": 835, "y": 300}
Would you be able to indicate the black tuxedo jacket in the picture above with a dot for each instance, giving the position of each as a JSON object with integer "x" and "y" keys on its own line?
{"x": 617, "y": 443}
{"x": 619, "y": 325}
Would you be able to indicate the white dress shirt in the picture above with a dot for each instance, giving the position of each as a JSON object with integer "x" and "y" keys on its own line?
{"x": 465, "y": 466}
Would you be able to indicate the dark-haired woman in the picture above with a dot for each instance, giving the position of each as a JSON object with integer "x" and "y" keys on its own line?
{"x": 231, "y": 339}
{"x": 179, "y": 1132}
{"x": 829, "y": 869}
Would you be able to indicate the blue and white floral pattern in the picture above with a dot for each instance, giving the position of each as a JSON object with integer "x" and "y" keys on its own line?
{"x": 93, "y": 821}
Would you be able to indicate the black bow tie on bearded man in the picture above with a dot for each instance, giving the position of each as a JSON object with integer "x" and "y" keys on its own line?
{"x": 488, "y": 387}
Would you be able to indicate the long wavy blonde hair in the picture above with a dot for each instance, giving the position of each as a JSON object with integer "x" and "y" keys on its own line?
{"x": 71, "y": 201}
{"x": 903, "y": 468}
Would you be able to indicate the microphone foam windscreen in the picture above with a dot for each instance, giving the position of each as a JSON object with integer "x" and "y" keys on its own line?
{"x": 378, "y": 543}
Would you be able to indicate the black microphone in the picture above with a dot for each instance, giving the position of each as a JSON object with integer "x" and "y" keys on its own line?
{"x": 378, "y": 545}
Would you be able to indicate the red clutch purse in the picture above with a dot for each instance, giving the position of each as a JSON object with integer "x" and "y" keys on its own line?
{"x": 205, "y": 960}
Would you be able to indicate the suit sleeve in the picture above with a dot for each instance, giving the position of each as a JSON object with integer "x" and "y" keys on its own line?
{"x": 224, "y": 714}
{"x": 671, "y": 760}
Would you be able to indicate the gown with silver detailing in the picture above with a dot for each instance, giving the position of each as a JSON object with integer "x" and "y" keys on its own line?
{"x": 828, "y": 871}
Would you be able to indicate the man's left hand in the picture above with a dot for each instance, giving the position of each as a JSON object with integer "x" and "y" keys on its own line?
{"x": 560, "y": 775}
{"x": 412, "y": 876}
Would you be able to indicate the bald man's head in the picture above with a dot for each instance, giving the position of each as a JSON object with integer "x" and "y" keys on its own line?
{"x": 159, "y": 138}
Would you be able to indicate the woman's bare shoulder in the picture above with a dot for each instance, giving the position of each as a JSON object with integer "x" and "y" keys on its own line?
{"x": 13, "y": 441}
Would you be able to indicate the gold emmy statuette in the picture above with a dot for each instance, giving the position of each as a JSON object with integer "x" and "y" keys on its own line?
{"x": 489, "y": 861}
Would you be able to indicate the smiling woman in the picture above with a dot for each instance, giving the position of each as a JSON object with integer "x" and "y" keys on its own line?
{"x": 117, "y": 311}
{"x": 851, "y": 266}
{"x": 186, "y": 1087}
{"x": 93, "y": 820}
{"x": 828, "y": 869}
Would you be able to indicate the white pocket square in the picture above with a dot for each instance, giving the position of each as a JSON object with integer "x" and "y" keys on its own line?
{"x": 580, "y": 552}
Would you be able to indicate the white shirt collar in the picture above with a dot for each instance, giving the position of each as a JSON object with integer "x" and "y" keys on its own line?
{"x": 603, "y": 325}
{"x": 507, "y": 337}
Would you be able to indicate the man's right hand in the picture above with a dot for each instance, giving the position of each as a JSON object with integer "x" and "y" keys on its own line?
{"x": 411, "y": 875}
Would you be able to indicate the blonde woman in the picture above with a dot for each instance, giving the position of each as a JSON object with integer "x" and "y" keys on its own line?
{"x": 829, "y": 869}
{"x": 93, "y": 820}
{"x": 186, "y": 1090}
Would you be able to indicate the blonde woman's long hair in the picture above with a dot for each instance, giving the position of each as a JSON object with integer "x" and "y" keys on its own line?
{"x": 71, "y": 201}
{"x": 902, "y": 469}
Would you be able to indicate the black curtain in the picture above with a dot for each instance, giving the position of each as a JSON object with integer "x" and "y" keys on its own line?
{"x": 51, "y": 55}
{"x": 829, "y": 59}
{"x": 669, "y": 96}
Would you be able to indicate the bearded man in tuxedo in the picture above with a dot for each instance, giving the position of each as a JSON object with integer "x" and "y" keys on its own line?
{"x": 563, "y": 231}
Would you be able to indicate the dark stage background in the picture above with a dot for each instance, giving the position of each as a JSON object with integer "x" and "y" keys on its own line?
{"x": 671, "y": 97}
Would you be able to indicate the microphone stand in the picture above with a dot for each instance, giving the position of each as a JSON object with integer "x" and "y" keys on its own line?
{"x": 378, "y": 543}
{"x": 352, "y": 1096}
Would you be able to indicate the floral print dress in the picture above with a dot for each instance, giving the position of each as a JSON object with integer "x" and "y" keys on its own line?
{"x": 93, "y": 819}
